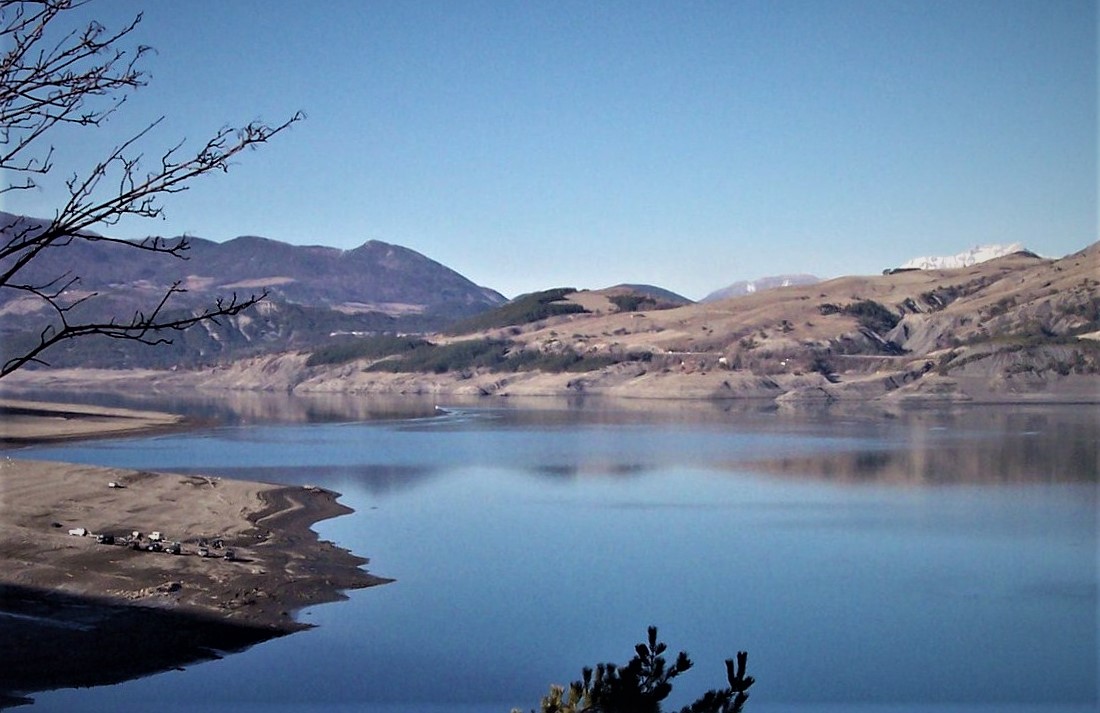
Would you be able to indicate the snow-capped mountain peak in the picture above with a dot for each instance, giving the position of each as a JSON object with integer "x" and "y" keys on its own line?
{"x": 973, "y": 256}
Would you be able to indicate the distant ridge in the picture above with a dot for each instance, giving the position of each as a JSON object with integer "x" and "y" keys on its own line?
{"x": 748, "y": 287}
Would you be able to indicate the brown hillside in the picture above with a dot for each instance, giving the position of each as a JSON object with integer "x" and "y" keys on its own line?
{"x": 1019, "y": 328}
{"x": 1035, "y": 314}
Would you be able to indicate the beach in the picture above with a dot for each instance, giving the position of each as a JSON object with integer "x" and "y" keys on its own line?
{"x": 78, "y": 538}
{"x": 53, "y": 514}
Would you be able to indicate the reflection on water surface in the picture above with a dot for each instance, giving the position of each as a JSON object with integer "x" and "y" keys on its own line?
{"x": 529, "y": 541}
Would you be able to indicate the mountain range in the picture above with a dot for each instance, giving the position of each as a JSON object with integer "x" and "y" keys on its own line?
{"x": 385, "y": 318}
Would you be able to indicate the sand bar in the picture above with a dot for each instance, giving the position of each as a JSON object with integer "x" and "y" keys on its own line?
{"x": 248, "y": 558}
{"x": 278, "y": 563}
{"x": 24, "y": 422}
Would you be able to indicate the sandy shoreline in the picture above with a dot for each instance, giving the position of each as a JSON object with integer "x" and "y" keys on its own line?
{"x": 908, "y": 384}
{"x": 211, "y": 602}
{"x": 23, "y": 422}
{"x": 278, "y": 565}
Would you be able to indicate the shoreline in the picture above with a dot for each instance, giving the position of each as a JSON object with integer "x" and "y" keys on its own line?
{"x": 907, "y": 383}
{"x": 249, "y": 559}
{"x": 247, "y": 550}
{"x": 27, "y": 422}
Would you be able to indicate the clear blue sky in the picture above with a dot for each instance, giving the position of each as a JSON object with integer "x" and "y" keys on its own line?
{"x": 684, "y": 144}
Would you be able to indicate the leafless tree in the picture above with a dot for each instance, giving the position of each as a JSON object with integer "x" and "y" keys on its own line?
{"x": 51, "y": 78}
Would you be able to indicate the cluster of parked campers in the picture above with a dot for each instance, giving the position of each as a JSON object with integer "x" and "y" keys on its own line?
{"x": 156, "y": 542}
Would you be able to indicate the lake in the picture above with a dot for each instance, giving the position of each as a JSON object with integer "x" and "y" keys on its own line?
{"x": 934, "y": 560}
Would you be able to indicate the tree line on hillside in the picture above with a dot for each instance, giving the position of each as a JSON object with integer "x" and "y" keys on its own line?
{"x": 522, "y": 310}
{"x": 394, "y": 354}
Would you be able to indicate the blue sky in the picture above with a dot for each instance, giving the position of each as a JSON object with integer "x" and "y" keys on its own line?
{"x": 684, "y": 144}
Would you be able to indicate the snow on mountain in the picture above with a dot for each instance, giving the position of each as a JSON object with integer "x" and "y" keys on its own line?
{"x": 976, "y": 254}
{"x": 742, "y": 288}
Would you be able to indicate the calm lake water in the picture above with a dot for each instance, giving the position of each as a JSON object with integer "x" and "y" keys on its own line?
{"x": 919, "y": 561}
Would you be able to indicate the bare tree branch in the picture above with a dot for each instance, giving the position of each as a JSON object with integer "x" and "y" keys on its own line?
{"x": 49, "y": 77}
{"x": 149, "y": 329}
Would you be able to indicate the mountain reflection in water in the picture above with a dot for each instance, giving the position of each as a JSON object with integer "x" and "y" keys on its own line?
{"x": 1041, "y": 456}
{"x": 955, "y": 569}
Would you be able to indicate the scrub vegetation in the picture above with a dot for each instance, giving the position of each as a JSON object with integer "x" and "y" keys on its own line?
{"x": 522, "y": 310}
{"x": 418, "y": 356}
{"x": 642, "y": 684}
{"x": 870, "y": 314}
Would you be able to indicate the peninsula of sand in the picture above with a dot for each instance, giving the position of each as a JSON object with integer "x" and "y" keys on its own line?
{"x": 228, "y": 559}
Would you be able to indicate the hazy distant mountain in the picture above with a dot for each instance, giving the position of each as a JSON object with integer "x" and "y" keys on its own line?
{"x": 313, "y": 292}
{"x": 740, "y": 289}
{"x": 973, "y": 256}
{"x": 375, "y": 276}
